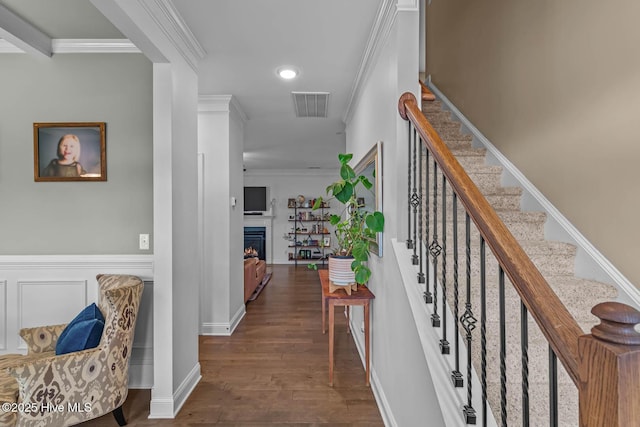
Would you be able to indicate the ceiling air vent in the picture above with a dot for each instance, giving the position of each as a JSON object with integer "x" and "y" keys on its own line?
{"x": 310, "y": 104}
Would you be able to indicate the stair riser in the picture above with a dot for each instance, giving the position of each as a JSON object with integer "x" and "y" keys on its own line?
{"x": 500, "y": 202}
{"x": 548, "y": 263}
{"x": 486, "y": 182}
{"x": 431, "y": 106}
{"x": 521, "y": 230}
{"x": 442, "y": 127}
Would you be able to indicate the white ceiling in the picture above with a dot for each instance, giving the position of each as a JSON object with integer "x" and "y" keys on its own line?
{"x": 245, "y": 42}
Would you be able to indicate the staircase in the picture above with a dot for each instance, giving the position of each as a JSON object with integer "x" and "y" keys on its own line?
{"x": 555, "y": 260}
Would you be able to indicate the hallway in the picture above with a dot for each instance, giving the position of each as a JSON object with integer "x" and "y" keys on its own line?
{"x": 273, "y": 370}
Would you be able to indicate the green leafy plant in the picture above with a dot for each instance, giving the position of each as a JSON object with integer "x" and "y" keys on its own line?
{"x": 355, "y": 228}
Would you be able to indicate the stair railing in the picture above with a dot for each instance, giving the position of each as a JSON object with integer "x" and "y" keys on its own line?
{"x": 604, "y": 365}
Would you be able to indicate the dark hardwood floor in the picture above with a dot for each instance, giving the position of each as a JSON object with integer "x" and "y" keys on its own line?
{"x": 274, "y": 369}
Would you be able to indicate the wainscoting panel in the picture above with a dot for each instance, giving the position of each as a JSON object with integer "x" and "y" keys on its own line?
{"x": 52, "y": 289}
{"x": 49, "y": 303}
{"x": 3, "y": 314}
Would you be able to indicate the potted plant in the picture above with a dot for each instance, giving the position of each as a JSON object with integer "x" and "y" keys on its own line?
{"x": 355, "y": 228}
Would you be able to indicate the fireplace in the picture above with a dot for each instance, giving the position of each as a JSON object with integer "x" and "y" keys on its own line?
{"x": 255, "y": 237}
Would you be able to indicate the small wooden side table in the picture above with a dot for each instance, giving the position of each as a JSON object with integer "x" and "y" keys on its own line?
{"x": 330, "y": 300}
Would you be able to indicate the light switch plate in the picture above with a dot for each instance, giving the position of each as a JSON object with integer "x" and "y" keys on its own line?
{"x": 144, "y": 242}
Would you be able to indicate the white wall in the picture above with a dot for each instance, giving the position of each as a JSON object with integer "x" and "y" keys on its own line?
{"x": 236, "y": 180}
{"x": 221, "y": 142}
{"x": 175, "y": 201}
{"x": 400, "y": 374}
{"x": 284, "y": 185}
{"x": 186, "y": 268}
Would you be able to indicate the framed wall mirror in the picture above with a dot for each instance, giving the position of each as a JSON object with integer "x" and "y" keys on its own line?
{"x": 371, "y": 167}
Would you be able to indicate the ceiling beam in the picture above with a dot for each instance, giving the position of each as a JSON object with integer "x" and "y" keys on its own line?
{"x": 23, "y": 35}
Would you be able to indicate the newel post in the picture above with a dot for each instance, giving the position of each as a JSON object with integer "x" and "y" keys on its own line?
{"x": 609, "y": 368}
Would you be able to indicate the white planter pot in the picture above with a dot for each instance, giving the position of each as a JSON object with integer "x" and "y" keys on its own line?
{"x": 340, "y": 272}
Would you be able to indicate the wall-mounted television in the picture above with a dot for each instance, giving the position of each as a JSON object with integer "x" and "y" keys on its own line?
{"x": 255, "y": 199}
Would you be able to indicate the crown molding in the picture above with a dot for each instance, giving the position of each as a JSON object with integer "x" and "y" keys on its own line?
{"x": 80, "y": 46}
{"x": 408, "y": 5}
{"x": 379, "y": 34}
{"x": 169, "y": 21}
{"x": 6, "y": 47}
{"x": 94, "y": 46}
{"x": 221, "y": 104}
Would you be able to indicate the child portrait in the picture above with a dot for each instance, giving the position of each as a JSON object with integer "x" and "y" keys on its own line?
{"x": 69, "y": 152}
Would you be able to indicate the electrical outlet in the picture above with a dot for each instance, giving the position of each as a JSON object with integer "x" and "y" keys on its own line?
{"x": 144, "y": 242}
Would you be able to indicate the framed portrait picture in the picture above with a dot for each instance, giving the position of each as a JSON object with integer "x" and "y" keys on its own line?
{"x": 69, "y": 152}
{"x": 291, "y": 203}
{"x": 326, "y": 241}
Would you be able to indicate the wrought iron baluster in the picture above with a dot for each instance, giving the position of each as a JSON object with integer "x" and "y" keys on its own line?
{"x": 409, "y": 241}
{"x": 419, "y": 242}
{"x": 428, "y": 296}
{"x": 444, "y": 342}
{"x": 435, "y": 248}
{"x": 415, "y": 201}
{"x": 503, "y": 348}
{"x": 456, "y": 376}
{"x": 483, "y": 330}
{"x": 469, "y": 324}
{"x": 553, "y": 388}
{"x": 524, "y": 344}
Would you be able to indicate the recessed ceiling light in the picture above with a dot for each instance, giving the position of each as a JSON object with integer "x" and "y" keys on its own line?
{"x": 287, "y": 73}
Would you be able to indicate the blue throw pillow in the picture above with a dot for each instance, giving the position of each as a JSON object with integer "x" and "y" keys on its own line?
{"x": 83, "y": 332}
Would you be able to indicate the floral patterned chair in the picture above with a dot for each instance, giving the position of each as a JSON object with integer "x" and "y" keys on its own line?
{"x": 42, "y": 389}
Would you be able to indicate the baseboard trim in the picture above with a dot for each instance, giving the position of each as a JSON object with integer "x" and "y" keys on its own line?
{"x": 608, "y": 272}
{"x": 160, "y": 408}
{"x": 235, "y": 320}
{"x": 224, "y": 329}
{"x": 186, "y": 388}
{"x": 168, "y": 408}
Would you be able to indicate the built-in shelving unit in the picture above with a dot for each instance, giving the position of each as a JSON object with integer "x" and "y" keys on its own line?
{"x": 309, "y": 236}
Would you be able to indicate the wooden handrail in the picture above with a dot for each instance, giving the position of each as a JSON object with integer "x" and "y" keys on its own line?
{"x": 425, "y": 92}
{"x": 553, "y": 318}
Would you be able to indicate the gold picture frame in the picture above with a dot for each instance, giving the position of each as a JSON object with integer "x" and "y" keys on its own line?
{"x": 69, "y": 151}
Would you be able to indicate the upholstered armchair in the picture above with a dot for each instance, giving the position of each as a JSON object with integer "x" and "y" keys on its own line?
{"x": 45, "y": 389}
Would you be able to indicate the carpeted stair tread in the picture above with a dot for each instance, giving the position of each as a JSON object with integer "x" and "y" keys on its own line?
{"x": 436, "y": 116}
{"x": 554, "y": 258}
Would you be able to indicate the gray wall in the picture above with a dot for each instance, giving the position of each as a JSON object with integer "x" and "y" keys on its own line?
{"x": 40, "y": 218}
{"x": 554, "y": 86}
